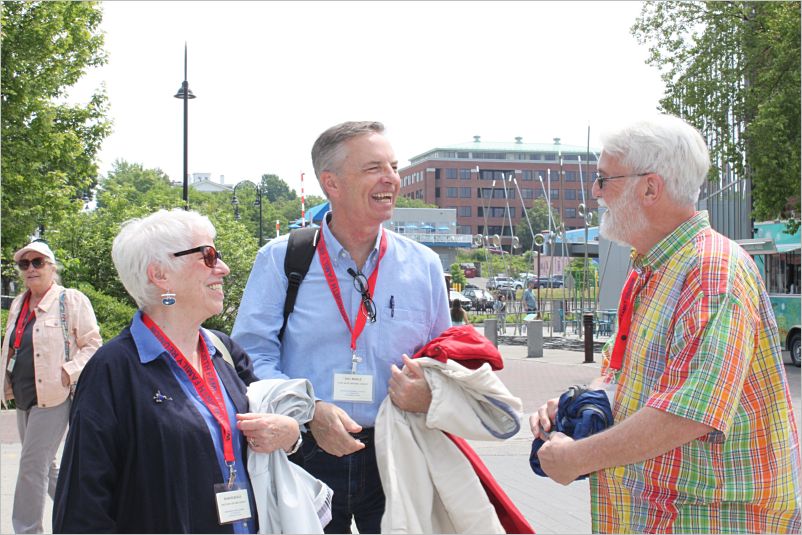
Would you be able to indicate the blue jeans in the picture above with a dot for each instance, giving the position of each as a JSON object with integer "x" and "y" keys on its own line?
{"x": 353, "y": 478}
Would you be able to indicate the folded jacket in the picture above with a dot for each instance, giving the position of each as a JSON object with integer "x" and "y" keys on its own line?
{"x": 465, "y": 345}
{"x": 580, "y": 413}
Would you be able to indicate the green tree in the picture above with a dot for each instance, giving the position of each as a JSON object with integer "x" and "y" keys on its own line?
{"x": 49, "y": 148}
{"x": 274, "y": 188}
{"x": 732, "y": 69}
{"x": 403, "y": 202}
{"x": 539, "y": 218}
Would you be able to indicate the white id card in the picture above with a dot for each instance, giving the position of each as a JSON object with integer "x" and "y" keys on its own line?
{"x": 353, "y": 387}
{"x": 232, "y": 504}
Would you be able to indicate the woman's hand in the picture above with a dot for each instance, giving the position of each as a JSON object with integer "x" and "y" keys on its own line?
{"x": 65, "y": 378}
{"x": 267, "y": 433}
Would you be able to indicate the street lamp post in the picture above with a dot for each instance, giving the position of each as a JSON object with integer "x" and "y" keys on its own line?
{"x": 257, "y": 202}
{"x": 185, "y": 94}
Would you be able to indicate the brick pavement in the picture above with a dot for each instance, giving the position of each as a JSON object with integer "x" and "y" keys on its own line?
{"x": 550, "y": 508}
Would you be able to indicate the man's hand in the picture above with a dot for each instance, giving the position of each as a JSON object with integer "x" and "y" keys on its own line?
{"x": 267, "y": 433}
{"x": 330, "y": 427}
{"x": 555, "y": 459}
{"x": 542, "y": 420}
{"x": 408, "y": 389}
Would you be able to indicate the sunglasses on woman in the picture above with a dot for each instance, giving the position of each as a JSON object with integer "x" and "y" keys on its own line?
{"x": 37, "y": 263}
{"x": 210, "y": 254}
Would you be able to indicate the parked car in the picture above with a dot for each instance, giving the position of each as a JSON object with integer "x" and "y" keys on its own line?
{"x": 464, "y": 301}
{"x": 480, "y": 299}
{"x": 469, "y": 285}
{"x": 501, "y": 283}
{"x": 469, "y": 269}
{"x": 549, "y": 282}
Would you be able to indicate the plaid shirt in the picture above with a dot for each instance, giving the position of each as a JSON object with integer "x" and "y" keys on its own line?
{"x": 704, "y": 346}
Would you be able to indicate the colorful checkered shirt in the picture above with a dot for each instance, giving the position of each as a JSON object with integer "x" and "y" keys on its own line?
{"x": 704, "y": 346}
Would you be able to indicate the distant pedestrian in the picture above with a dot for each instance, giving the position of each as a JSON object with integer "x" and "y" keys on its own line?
{"x": 704, "y": 439}
{"x": 50, "y": 335}
{"x": 529, "y": 298}
{"x": 458, "y": 314}
{"x": 500, "y": 307}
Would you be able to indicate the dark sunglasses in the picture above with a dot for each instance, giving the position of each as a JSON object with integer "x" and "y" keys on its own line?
{"x": 361, "y": 286}
{"x": 210, "y": 254}
{"x": 37, "y": 263}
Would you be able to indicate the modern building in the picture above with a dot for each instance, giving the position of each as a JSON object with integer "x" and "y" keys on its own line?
{"x": 491, "y": 184}
{"x": 434, "y": 227}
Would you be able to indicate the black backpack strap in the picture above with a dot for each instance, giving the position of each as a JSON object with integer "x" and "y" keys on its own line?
{"x": 300, "y": 251}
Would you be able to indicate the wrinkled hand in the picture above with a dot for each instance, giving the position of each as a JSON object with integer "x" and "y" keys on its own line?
{"x": 542, "y": 420}
{"x": 267, "y": 433}
{"x": 330, "y": 427}
{"x": 555, "y": 459}
{"x": 408, "y": 389}
{"x": 65, "y": 378}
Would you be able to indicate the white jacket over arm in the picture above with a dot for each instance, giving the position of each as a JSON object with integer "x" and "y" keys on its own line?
{"x": 429, "y": 484}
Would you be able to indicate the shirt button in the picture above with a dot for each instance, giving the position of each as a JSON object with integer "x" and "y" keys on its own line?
{"x": 38, "y": 355}
{"x": 44, "y": 405}
{"x": 39, "y": 380}
{"x": 623, "y": 337}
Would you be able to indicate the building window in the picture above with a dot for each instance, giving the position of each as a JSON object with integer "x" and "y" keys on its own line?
{"x": 463, "y": 155}
{"x": 463, "y": 211}
{"x": 527, "y": 193}
{"x": 555, "y": 193}
{"x": 493, "y": 229}
{"x": 484, "y": 193}
{"x": 451, "y": 193}
{"x": 570, "y": 194}
{"x": 451, "y": 173}
{"x": 498, "y": 193}
{"x": 570, "y": 213}
{"x": 480, "y": 212}
{"x": 437, "y": 173}
{"x": 465, "y": 193}
{"x": 464, "y": 174}
{"x": 529, "y": 174}
{"x": 463, "y": 229}
{"x": 497, "y": 211}
{"x": 570, "y": 176}
{"x": 550, "y": 156}
{"x": 436, "y": 193}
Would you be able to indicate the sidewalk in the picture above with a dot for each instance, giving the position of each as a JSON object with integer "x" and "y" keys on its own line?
{"x": 549, "y": 507}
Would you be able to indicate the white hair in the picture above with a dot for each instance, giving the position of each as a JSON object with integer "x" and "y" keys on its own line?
{"x": 153, "y": 239}
{"x": 665, "y": 145}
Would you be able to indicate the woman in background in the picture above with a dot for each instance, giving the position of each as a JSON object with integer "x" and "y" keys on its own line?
{"x": 458, "y": 314}
{"x": 50, "y": 335}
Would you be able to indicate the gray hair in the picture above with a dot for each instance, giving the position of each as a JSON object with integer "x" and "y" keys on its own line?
{"x": 665, "y": 145}
{"x": 327, "y": 151}
{"x": 153, "y": 239}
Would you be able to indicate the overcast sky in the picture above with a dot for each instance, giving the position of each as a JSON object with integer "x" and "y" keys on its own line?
{"x": 271, "y": 76}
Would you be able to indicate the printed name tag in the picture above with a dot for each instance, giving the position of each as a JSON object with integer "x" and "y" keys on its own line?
{"x": 232, "y": 505}
{"x": 353, "y": 387}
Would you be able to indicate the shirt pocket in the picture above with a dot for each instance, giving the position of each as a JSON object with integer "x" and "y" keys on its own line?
{"x": 404, "y": 330}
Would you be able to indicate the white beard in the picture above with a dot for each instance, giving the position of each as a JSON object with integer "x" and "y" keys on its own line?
{"x": 623, "y": 219}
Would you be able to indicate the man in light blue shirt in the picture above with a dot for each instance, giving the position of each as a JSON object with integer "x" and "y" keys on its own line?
{"x": 370, "y": 297}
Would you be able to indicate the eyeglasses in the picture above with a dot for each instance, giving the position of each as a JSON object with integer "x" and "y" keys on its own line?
{"x": 37, "y": 263}
{"x": 210, "y": 254}
{"x": 601, "y": 179}
{"x": 361, "y": 286}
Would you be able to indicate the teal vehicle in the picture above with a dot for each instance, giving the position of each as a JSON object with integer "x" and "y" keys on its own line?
{"x": 777, "y": 255}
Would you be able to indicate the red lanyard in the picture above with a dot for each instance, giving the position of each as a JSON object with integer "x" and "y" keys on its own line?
{"x": 626, "y": 306}
{"x": 207, "y": 385}
{"x": 334, "y": 286}
{"x": 22, "y": 320}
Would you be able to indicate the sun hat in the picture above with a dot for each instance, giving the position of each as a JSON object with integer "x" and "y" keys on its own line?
{"x": 38, "y": 247}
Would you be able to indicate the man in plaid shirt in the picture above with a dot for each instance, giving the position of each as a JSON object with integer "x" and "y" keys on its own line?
{"x": 704, "y": 437}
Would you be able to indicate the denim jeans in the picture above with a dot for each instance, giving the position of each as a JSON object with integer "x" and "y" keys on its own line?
{"x": 353, "y": 478}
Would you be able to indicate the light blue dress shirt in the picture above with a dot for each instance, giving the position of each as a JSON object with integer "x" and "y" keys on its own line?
{"x": 317, "y": 342}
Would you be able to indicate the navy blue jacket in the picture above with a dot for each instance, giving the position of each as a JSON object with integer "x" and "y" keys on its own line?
{"x": 132, "y": 465}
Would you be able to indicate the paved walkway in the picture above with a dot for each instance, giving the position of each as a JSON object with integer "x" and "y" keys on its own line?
{"x": 549, "y": 507}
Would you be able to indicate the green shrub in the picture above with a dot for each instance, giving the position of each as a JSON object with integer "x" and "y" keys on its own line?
{"x": 112, "y": 314}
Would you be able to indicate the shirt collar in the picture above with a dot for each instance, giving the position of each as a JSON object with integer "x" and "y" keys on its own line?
{"x": 50, "y": 297}
{"x": 665, "y": 248}
{"x": 148, "y": 346}
{"x": 337, "y": 251}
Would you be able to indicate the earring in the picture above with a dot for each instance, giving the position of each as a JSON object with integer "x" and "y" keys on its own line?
{"x": 168, "y": 298}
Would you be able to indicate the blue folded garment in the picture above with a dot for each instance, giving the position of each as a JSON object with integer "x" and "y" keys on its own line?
{"x": 580, "y": 413}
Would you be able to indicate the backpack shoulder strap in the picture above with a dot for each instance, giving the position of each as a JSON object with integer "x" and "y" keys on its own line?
{"x": 221, "y": 347}
{"x": 300, "y": 251}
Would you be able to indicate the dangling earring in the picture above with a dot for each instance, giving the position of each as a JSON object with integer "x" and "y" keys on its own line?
{"x": 168, "y": 298}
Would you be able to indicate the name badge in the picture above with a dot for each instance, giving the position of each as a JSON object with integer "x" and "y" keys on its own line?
{"x": 232, "y": 503}
{"x": 353, "y": 387}
{"x": 11, "y": 362}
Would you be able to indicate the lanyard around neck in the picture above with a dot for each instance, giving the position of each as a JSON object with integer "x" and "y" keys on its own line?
{"x": 334, "y": 286}
{"x": 626, "y": 307}
{"x": 23, "y": 319}
{"x": 207, "y": 387}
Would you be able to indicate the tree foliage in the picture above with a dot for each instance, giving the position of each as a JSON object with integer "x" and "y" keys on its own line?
{"x": 275, "y": 189}
{"x": 539, "y": 218}
{"x": 49, "y": 148}
{"x": 732, "y": 69}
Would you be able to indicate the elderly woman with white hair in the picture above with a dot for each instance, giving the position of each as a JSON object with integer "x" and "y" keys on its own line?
{"x": 159, "y": 425}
